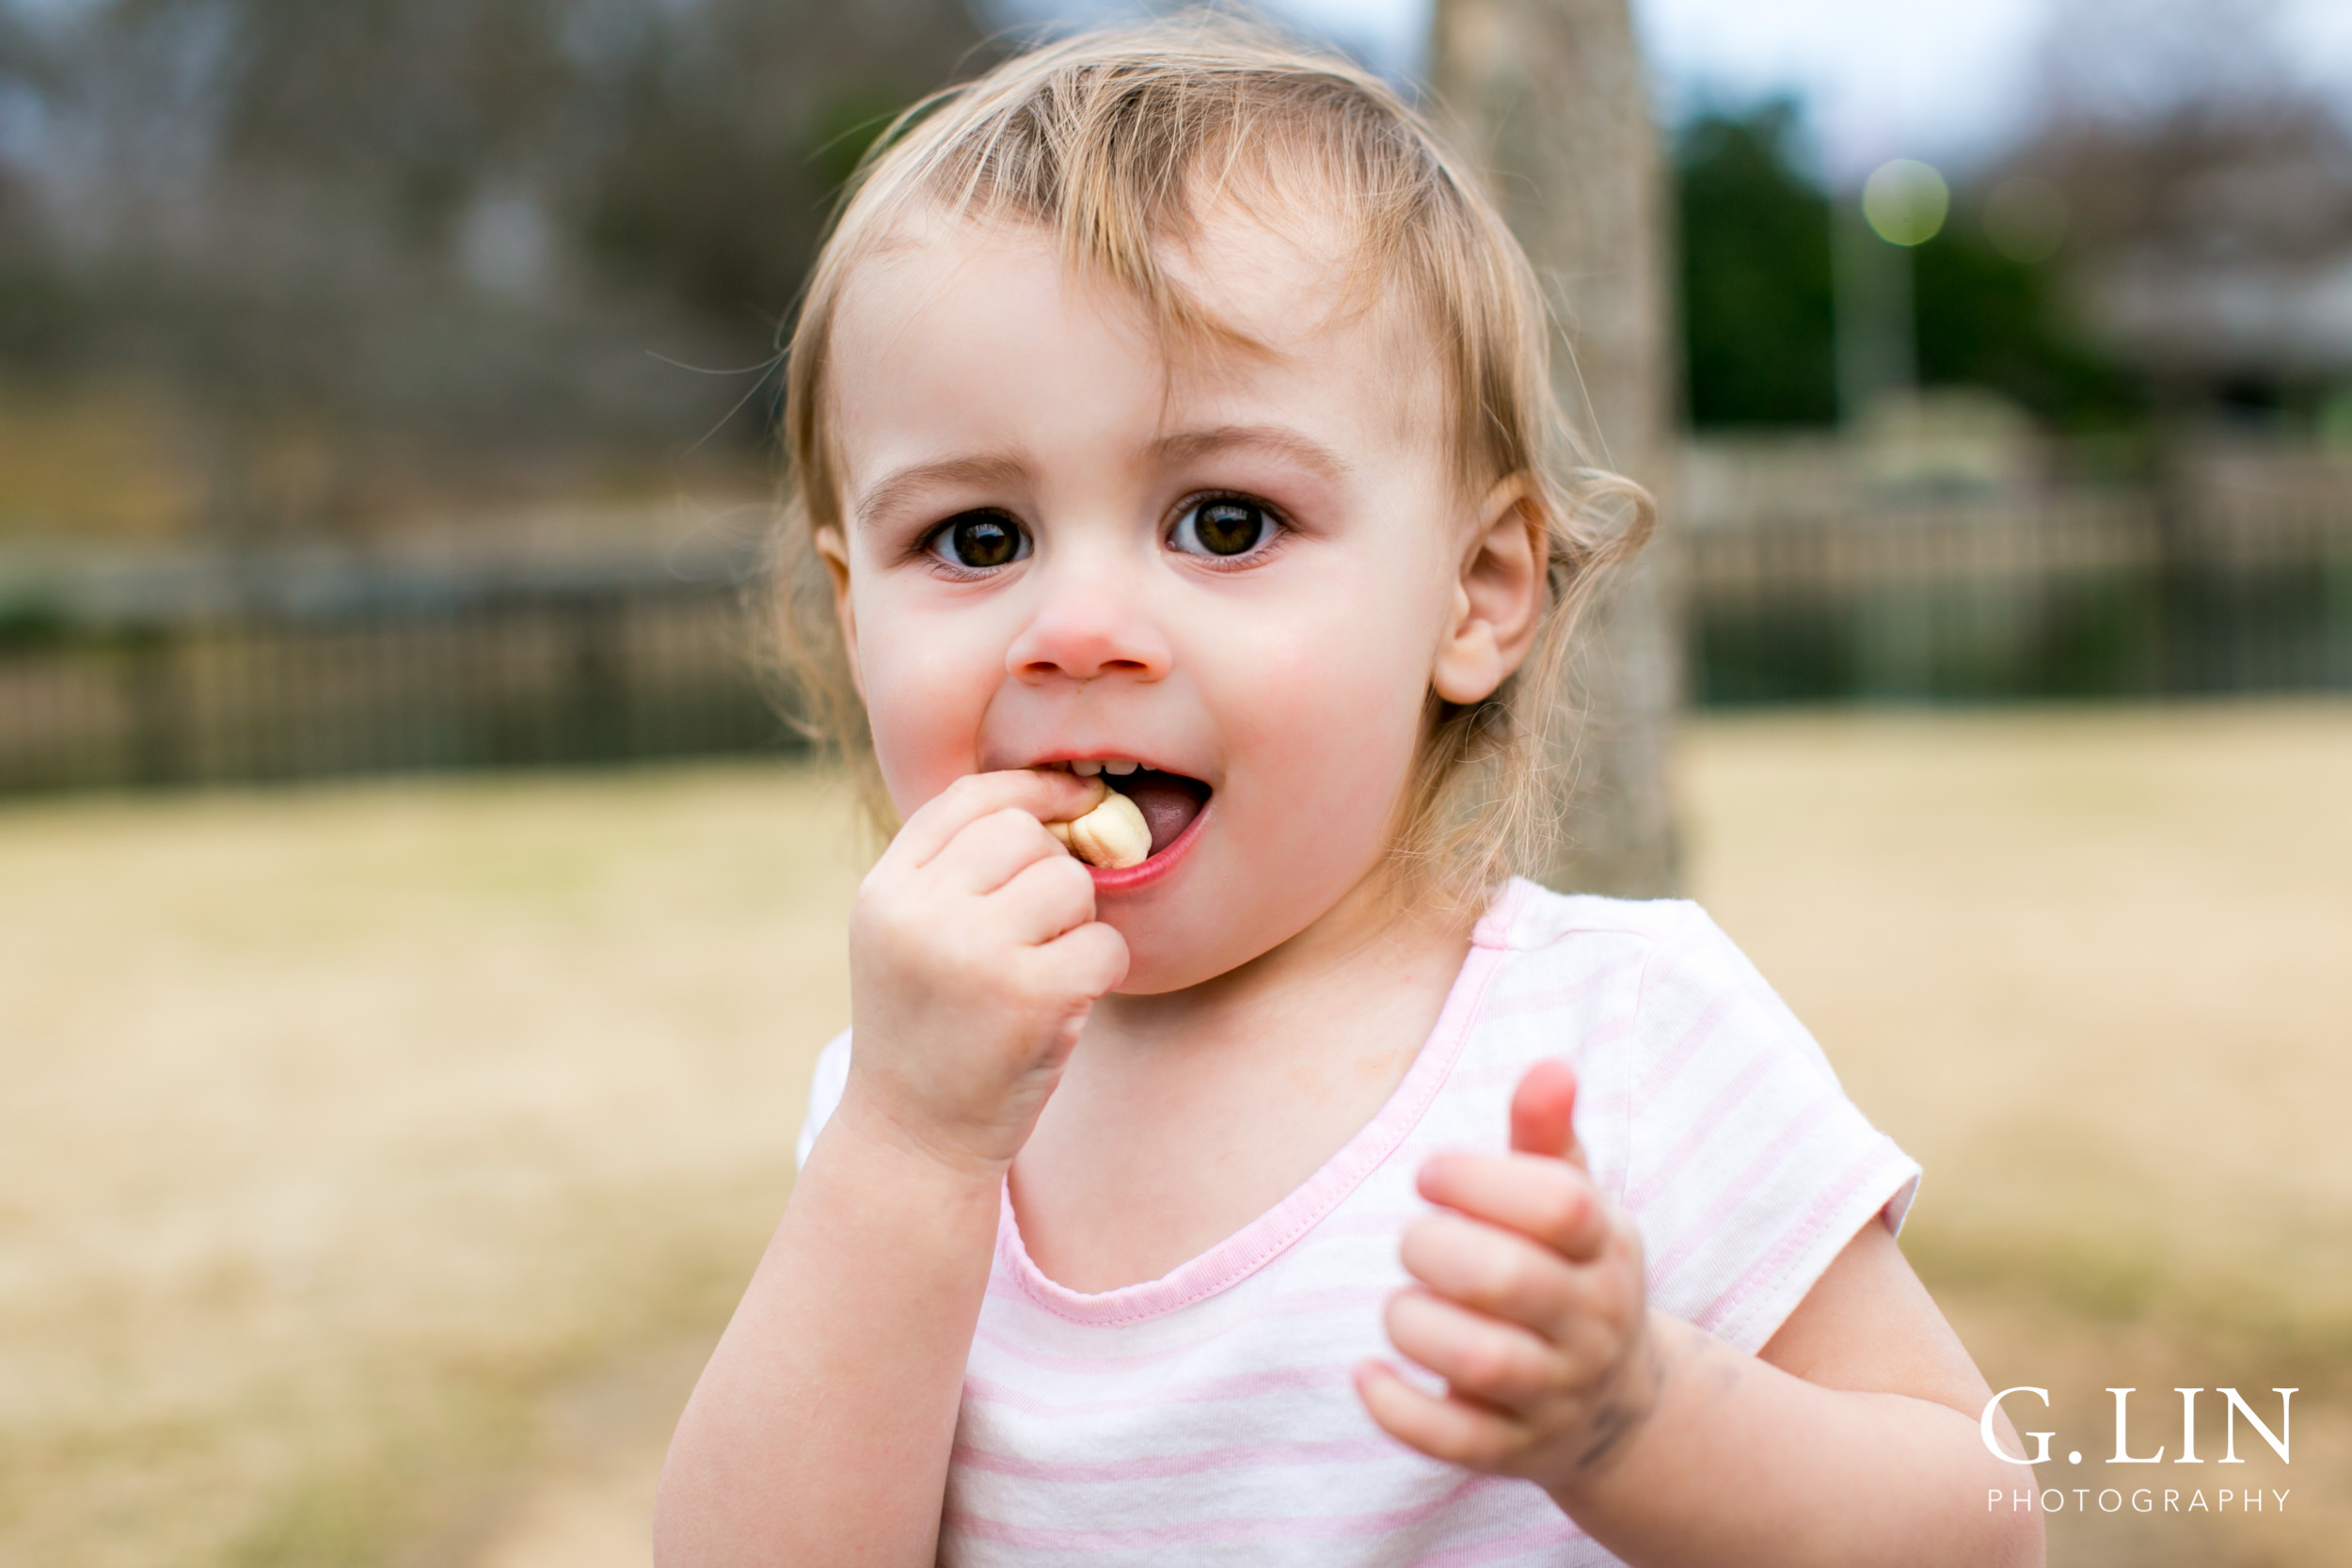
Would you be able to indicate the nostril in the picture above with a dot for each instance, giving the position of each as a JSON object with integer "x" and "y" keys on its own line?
{"x": 1075, "y": 654}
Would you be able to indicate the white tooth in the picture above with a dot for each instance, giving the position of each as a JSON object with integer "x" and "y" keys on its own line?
{"x": 1118, "y": 770}
{"x": 1086, "y": 770}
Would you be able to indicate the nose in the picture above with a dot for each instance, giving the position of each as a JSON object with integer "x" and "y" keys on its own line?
{"x": 1089, "y": 622}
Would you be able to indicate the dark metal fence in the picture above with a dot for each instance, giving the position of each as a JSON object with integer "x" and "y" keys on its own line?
{"x": 2090, "y": 598}
{"x": 216, "y": 673}
{"x": 213, "y": 671}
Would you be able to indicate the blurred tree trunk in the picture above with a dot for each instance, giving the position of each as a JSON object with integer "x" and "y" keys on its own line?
{"x": 1547, "y": 95}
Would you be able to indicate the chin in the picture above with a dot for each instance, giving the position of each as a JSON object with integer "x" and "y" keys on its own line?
{"x": 1212, "y": 925}
{"x": 1162, "y": 962}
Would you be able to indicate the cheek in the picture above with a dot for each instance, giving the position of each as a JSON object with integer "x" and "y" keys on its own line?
{"x": 927, "y": 691}
{"x": 1326, "y": 709}
{"x": 1352, "y": 715}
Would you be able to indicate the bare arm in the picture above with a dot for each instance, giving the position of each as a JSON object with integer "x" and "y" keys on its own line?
{"x": 1852, "y": 1439}
{"x": 821, "y": 1429}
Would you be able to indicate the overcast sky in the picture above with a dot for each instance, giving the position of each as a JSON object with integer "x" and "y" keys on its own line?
{"x": 1946, "y": 79}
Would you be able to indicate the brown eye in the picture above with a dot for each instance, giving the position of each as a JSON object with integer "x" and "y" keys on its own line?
{"x": 979, "y": 540}
{"x": 1222, "y": 528}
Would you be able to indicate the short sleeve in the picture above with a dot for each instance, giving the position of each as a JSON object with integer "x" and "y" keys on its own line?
{"x": 824, "y": 1092}
{"x": 1748, "y": 1171}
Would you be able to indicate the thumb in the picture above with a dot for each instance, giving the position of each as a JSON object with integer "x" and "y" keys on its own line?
{"x": 1543, "y": 1113}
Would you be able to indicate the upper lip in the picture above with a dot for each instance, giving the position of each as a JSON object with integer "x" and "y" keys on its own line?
{"x": 1111, "y": 753}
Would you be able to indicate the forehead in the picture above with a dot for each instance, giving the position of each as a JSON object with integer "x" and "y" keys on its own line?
{"x": 1294, "y": 322}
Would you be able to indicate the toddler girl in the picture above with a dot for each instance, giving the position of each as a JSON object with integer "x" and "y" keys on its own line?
{"x": 1168, "y": 413}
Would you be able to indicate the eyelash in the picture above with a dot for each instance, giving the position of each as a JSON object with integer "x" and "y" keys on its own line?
{"x": 931, "y": 545}
{"x": 1278, "y": 527}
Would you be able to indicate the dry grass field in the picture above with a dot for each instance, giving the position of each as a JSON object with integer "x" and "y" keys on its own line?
{"x": 2094, "y": 970}
{"x": 377, "y": 1161}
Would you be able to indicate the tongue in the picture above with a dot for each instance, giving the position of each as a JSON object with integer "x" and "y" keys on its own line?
{"x": 1168, "y": 807}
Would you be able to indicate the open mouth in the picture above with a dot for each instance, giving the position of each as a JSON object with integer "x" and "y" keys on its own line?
{"x": 1168, "y": 801}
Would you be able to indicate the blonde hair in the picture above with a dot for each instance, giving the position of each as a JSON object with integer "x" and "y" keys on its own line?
{"x": 1114, "y": 142}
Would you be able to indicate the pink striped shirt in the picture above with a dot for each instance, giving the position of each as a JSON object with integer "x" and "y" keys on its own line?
{"x": 1207, "y": 1416}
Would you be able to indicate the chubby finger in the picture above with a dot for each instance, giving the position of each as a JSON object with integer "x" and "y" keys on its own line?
{"x": 1543, "y": 1113}
{"x": 1444, "y": 1427}
{"x": 1048, "y": 896}
{"x": 1045, "y": 793}
{"x": 1494, "y": 1362}
{"x": 992, "y": 851}
{"x": 1547, "y": 1199}
{"x": 1494, "y": 1271}
{"x": 1093, "y": 956}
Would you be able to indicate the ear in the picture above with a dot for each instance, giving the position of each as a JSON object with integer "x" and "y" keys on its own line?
{"x": 1497, "y": 595}
{"x": 834, "y": 550}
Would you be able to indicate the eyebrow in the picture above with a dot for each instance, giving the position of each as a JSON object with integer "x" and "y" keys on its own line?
{"x": 1280, "y": 440}
{"x": 990, "y": 470}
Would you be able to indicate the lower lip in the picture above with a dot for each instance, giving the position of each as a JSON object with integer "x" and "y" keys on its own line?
{"x": 1159, "y": 865}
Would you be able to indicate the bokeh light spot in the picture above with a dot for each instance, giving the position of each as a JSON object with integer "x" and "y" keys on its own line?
{"x": 1906, "y": 201}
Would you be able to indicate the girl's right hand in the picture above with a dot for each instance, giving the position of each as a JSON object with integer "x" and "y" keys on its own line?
{"x": 974, "y": 958}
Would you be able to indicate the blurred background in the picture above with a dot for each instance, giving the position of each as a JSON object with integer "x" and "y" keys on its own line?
{"x": 416, "y": 920}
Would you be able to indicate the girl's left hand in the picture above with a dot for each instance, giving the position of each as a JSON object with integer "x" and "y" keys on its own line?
{"x": 1531, "y": 1305}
